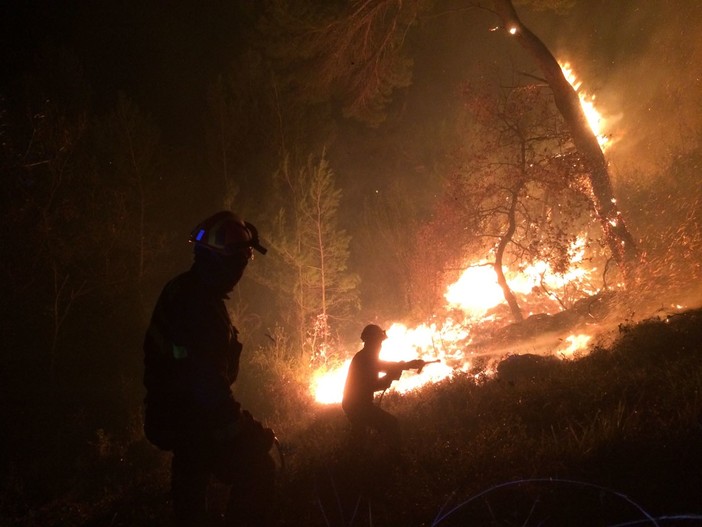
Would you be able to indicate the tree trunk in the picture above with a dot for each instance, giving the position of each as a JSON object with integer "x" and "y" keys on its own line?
{"x": 618, "y": 237}
{"x": 499, "y": 255}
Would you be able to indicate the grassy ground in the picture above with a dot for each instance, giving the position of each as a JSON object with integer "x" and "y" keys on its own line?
{"x": 611, "y": 439}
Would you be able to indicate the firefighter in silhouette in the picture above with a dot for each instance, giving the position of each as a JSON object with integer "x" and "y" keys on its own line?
{"x": 364, "y": 379}
{"x": 191, "y": 359}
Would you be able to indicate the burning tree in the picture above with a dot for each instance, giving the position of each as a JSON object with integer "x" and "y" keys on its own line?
{"x": 618, "y": 237}
{"x": 357, "y": 53}
{"x": 518, "y": 197}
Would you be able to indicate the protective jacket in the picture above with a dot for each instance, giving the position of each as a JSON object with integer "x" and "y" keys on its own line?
{"x": 191, "y": 359}
{"x": 363, "y": 381}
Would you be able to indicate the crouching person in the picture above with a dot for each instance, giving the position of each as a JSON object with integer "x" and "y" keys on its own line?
{"x": 368, "y": 375}
{"x": 191, "y": 360}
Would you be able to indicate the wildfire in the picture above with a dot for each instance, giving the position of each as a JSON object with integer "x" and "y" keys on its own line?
{"x": 587, "y": 102}
{"x": 327, "y": 385}
{"x": 470, "y": 300}
{"x": 572, "y": 344}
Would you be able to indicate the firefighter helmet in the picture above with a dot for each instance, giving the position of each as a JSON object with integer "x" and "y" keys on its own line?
{"x": 225, "y": 233}
{"x": 373, "y": 333}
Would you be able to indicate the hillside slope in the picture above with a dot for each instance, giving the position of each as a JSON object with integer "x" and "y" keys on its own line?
{"x": 613, "y": 438}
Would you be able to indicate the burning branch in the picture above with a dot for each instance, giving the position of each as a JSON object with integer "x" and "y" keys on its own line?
{"x": 618, "y": 237}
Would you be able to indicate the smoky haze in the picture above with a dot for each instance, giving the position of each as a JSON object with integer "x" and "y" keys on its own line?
{"x": 641, "y": 60}
{"x": 638, "y": 60}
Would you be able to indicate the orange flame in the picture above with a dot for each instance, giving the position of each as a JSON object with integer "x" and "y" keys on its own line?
{"x": 587, "y": 102}
{"x": 470, "y": 297}
{"x": 572, "y": 344}
{"x": 473, "y": 295}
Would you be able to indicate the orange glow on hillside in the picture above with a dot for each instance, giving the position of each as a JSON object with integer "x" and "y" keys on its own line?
{"x": 471, "y": 300}
{"x": 475, "y": 300}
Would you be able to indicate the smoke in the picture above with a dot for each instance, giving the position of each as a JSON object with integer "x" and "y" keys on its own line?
{"x": 641, "y": 59}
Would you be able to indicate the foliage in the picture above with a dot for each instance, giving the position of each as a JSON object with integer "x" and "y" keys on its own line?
{"x": 256, "y": 117}
{"x": 311, "y": 252}
{"x": 385, "y": 239}
{"x": 242, "y": 129}
{"x": 351, "y": 51}
{"x": 129, "y": 168}
{"x": 46, "y": 192}
{"x": 274, "y": 383}
{"x": 573, "y": 441}
{"x": 517, "y": 196}
{"x": 71, "y": 279}
{"x": 669, "y": 230}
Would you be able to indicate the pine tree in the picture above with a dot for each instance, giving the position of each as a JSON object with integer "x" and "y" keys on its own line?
{"x": 312, "y": 272}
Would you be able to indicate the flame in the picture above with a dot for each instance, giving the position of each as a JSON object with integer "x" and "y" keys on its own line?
{"x": 327, "y": 385}
{"x": 587, "y": 102}
{"x": 572, "y": 344}
{"x": 476, "y": 290}
{"x": 470, "y": 300}
{"x": 474, "y": 297}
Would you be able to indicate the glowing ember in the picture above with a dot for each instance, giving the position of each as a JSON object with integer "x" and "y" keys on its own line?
{"x": 593, "y": 116}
